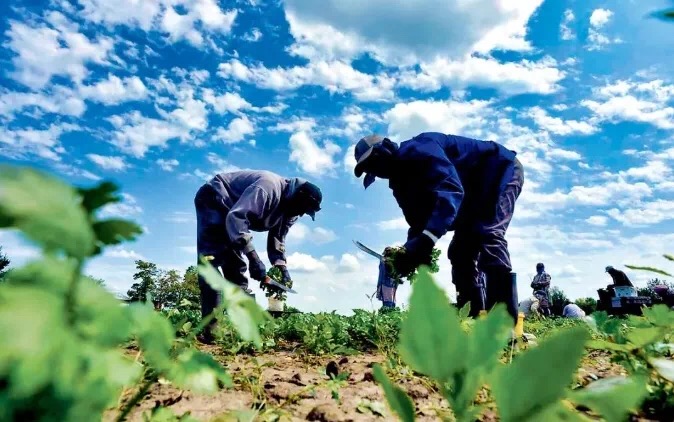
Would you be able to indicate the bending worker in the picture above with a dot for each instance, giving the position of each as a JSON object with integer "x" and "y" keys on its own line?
{"x": 229, "y": 206}
{"x": 452, "y": 183}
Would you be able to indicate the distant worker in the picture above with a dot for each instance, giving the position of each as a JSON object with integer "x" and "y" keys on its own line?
{"x": 228, "y": 207}
{"x": 445, "y": 183}
{"x": 620, "y": 279}
{"x": 571, "y": 310}
{"x": 541, "y": 286}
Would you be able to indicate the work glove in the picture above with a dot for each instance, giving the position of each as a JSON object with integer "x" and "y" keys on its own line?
{"x": 256, "y": 266}
{"x": 285, "y": 275}
{"x": 418, "y": 251}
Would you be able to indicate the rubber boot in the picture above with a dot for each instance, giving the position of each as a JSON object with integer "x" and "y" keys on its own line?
{"x": 502, "y": 288}
{"x": 468, "y": 291}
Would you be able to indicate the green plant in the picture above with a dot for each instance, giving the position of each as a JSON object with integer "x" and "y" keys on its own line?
{"x": 60, "y": 333}
{"x": 275, "y": 274}
{"x": 461, "y": 359}
{"x": 390, "y": 255}
{"x": 4, "y": 263}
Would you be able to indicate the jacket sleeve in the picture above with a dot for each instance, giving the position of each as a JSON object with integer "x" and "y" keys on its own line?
{"x": 442, "y": 182}
{"x": 276, "y": 248}
{"x": 252, "y": 203}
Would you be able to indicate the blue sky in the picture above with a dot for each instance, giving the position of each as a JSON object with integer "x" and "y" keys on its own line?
{"x": 159, "y": 95}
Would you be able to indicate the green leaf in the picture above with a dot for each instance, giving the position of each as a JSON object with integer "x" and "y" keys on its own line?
{"x": 244, "y": 313}
{"x": 489, "y": 336}
{"x": 102, "y": 194}
{"x": 607, "y": 345}
{"x": 651, "y": 269}
{"x": 397, "y": 399}
{"x": 612, "y": 398}
{"x": 431, "y": 339}
{"x": 669, "y": 257}
{"x": 115, "y": 231}
{"x": 641, "y": 337}
{"x": 665, "y": 367}
{"x": 45, "y": 209}
{"x": 198, "y": 372}
{"x": 538, "y": 377}
{"x": 155, "y": 334}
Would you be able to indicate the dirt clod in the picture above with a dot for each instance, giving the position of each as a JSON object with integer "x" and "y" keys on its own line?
{"x": 297, "y": 380}
{"x": 332, "y": 369}
{"x": 368, "y": 377}
{"x": 326, "y": 412}
{"x": 417, "y": 392}
{"x": 344, "y": 360}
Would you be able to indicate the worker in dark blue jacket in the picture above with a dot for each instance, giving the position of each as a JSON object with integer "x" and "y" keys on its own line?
{"x": 452, "y": 183}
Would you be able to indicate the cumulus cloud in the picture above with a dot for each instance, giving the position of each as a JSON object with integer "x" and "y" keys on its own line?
{"x": 565, "y": 32}
{"x": 541, "y": 77}
{"x": 236, "y": 131}
{"x": 636, "y": 101}
{"x": 335, "y": 77}
{"x": 136, "y": 134}
{"x": 558, "y": 126}
{"x": 115, "y": 90}
{"x": 300, "y": 262}
{"x": 395, "y": 224}
{"x": 201, "y": 17}
{"x": 115, "y": 163}
{"x": 59, "y": 101}
{"x": 168, "y": 165}
{"x": 300, "y": 232}
{"x": 128, "y": 207}
{"x": 310, "y": 156}
{"x": 44, "y": 143}
{"x": 596, "y": 39}
{"x": 348, "y": 264}
{"x": 43, "y": 52}
{"x": 334, "y": 28}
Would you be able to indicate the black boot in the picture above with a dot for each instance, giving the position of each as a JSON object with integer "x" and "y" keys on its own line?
{"x": 468, "y": 291}
{"x": 502, "y": 288}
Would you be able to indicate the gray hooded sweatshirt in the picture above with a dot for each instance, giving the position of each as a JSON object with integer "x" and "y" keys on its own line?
{"x": 253, "y": 198}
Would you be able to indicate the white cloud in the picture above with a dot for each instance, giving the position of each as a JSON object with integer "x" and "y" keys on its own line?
{"x": 108, "y": 162}
{"x": 253, "y": 36}
{"x": 300, "y": 262}
{"x": 558, "y": 126}
{"x": 44, "y": 52}
{"x": 300, "y": 232}
{"x": 44, "y": 143}
{"x": 295, "y": 124}
{"x": 115, "y": 90}
{"x": 653, "y": 171}
{"x": 128, "y": 207}
{"x": 645, "y": 213}
{"x": 168, "y": 165}
{"x": 61, "y": 101}
{"x": 348, "y": 264}
{"x": 565, "y": 32}
{"x": 395, "y": 224}
{"x": 123, "y": 254}
{"x": 220, "y": 165}
{"x": 600, "y": 17}
{"x": 311, "y": 157}
{"x": 597, "y": 220}
{"x": 333, "y": 28}
{"x": 645, "y": 102}
{"x": 406, "y": 120}
{"x": 540, "y": 77}
{"x": 136, "y": 134}
{"x": 335, "y": 77}
{"x": 236, "y": 131}
{"x": 181, "y": 217}
{"x": 201, "y": 17}
{"x": 229, "y": 102}
{"x": 596, "y": 39}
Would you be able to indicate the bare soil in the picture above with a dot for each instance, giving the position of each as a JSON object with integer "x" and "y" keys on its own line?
{"x": 288, "y": 386}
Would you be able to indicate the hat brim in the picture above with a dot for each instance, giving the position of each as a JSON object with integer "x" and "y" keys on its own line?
{"x": 358, "y": 170}
{"x": 369, "y": 179}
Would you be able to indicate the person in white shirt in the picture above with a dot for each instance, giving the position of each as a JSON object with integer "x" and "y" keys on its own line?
{"x": 571, "y": 310}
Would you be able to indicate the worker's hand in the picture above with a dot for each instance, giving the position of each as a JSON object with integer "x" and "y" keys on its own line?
{"x": 256, "y": 266}
{"x": 285, "y": 275}
{"x": 419, "y": 250}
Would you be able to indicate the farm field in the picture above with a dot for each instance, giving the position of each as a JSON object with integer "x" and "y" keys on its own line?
{"x": 71, "y": 351}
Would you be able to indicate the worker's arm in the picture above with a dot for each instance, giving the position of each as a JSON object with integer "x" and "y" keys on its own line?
{"x": 276, "y": 241}
{"x": 253, "y": 202}
{"x": 441, "y": 181}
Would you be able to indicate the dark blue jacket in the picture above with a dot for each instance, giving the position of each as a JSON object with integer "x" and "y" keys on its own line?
{"x": 447, "y": 181}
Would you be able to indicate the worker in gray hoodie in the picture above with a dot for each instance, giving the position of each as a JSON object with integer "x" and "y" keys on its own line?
{"x": 229, "y": 206}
